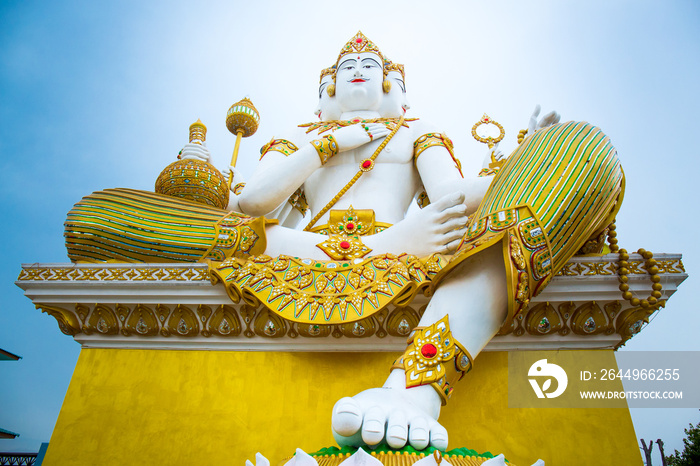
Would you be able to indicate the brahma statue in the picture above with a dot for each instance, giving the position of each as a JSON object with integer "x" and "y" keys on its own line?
{"x": 319, "y": 234}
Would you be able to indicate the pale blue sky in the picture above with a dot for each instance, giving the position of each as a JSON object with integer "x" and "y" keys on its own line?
{"x": 97, "y": 95}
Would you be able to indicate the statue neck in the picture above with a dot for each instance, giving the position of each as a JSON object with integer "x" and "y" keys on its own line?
{"x": 362, "y": 114}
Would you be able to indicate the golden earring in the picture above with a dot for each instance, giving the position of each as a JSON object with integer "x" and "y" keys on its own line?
{"x": 386, "y": 85}
{"x": 331, "y": 90}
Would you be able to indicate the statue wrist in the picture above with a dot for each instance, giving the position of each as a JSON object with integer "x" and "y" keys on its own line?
{"x": 326, "y": 147}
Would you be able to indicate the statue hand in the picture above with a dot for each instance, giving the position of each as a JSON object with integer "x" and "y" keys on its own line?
{"x": 497, "y": 154}
{"x": 195, "y": 151}
{"x": 549, "y": 119}
{"x": 237, "y": 175}
{"x": 351, "y": 137}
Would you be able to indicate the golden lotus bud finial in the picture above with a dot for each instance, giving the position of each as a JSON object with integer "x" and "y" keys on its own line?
{"x": 243, "y": 118}
{"x": 198, "y": 132}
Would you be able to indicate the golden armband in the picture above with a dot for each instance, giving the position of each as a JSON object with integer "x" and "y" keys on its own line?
{"x": 278, "y": 145}
{"x": 434, "y": 358}
{"x": 326, "y": 147}
{"x": 436, "y": 139}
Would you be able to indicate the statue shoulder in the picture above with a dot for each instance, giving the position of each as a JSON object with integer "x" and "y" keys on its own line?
{"x": 420, "y": 127}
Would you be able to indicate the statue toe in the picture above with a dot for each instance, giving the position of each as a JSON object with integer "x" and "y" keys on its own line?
{"x": 419, "y": 433}
{"x": 374, "y": 425}
{"x": 438, "y": 437}
{"x": 397, "y": 429}
{"x": 347, "y": 417}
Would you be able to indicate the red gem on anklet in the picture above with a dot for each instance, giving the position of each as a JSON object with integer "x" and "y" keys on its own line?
{"x": 344, "y": 245}
{"x": 428, "y": 351}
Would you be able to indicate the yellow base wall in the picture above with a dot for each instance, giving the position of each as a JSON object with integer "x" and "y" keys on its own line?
{"x": 160, "y": 407}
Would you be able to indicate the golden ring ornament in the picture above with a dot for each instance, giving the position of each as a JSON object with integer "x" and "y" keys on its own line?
{"x": 485, "y": 120}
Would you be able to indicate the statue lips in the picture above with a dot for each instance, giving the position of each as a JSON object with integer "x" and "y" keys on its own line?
{"x": 359, "y": 80}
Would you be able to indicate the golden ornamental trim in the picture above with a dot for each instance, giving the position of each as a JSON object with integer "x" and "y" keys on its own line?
{"x": 107, "y": 273}
{"x": 577, "y": 268}
{"x": 588, "y": 319}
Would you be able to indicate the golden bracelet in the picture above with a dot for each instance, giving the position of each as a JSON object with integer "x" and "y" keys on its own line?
{"x": 238, "y": 188}
{"x": 326, "y": 147}
{"x": 434, "y": 358}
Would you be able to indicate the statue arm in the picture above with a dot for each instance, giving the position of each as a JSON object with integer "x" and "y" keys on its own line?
{"x": 280, "y": 173}
{"x": 440, "y": 177}
{"x": 276, "y": 178}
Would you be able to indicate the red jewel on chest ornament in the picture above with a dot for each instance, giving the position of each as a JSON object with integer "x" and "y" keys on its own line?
{"x": 344, "y": 245}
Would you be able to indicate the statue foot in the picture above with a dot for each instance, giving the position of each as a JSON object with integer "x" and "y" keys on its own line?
{"x": 438, "y": 228}
{"x": 393, "y": 415}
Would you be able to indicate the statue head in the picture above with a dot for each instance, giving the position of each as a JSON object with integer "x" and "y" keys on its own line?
{"x": 359, "y": 77}
{"x": 394, "y": 104}
{"x": 327, "y": 108}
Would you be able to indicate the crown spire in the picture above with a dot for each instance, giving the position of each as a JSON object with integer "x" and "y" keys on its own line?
{"x": 359, "y": 44}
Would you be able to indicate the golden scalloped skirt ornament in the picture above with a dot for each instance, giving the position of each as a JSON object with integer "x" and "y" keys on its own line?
{"x": 193, "y": 179}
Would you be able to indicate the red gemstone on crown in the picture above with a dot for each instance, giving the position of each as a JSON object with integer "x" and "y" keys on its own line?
{"x": 366, "y": 164}
{"x": 356, "y": 120}
{"x": 358, "y": 40}
{"x": 428, "y": 351}
{"x": 344, "y": 245}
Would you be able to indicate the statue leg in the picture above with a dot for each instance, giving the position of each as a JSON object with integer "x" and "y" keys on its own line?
{"x": 474, "y": 295}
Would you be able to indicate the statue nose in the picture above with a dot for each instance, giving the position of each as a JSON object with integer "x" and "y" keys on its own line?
{"x": 358, "y": 73}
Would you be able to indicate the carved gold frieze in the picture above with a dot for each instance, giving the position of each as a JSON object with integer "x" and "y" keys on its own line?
{"x": 179, "y": 321}
{"x": 576, "y": 268}
{"x": 125, "y": 273}
{"x": 180, "y": 274}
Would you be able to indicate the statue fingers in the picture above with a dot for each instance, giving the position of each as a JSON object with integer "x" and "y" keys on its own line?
{"x": 455, "y": 235}
{"x": 347, "y": 417}
{"x": 374, "y": 425}
{"x": 547, "y": 120}
{"x": 448, "y": 201}
{"x": 532, "y": 124}
{"x": 397, "y": 429}
{"x": 454, "y": 224}
{"x": 458, "y": 211}
{"x": 419, "y": 433}
{"x": 376, "y": 130}
{"x": 452, "y": 246}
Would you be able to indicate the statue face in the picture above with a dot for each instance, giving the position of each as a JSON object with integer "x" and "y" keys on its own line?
{"x": 327, "y": 108}
{"x": 394, "y": 104}
{"x": 358, "y": 82}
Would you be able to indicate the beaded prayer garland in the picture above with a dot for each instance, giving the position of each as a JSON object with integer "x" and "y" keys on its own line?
{"x": 653, "y": 301}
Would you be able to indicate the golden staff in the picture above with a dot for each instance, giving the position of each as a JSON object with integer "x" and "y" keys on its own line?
{"x": 242, "y": 119}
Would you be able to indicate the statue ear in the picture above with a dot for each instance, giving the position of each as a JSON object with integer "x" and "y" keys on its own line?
{"x": 386, "y": 86}
{"x": 330, "y": 90}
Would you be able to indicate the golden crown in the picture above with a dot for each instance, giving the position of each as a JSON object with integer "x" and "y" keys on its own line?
{"x": 359, "y": 44}
{"x": 391, "y": 66}
{"x": 327, "y": 72}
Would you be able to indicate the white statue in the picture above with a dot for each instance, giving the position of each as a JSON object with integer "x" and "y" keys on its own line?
{"x": 560, "y": 187}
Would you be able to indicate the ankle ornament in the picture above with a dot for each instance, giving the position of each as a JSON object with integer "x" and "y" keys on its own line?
{"x": 433, "y": 357}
